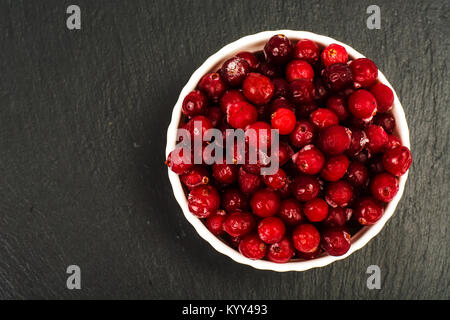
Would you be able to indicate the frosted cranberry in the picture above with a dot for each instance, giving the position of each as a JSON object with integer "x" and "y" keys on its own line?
{"x": 334, "y": 53}
{"x": 305, "y": 188}
{"x": 357, "y": 143}
{"x": 234, "y": 71}
{"x": 230, "y": 98}
{"x": 302, "y": 134}
{"x": 335, "y": 241}
{"x": 198, "y": 126}
{"x": 271, "y": 230}
{"x": 386, "y": 121}
{"x": 237, "y": 224}
{"x": 284, "y": 120}
{"x": 248, "y": 182}
{"x": 362, "y": 104}
{"x": 203, "y": 201}
{"x": 303, "y": 91}
{"x": 234, "y": 200}
{"x": 276, "y": 180}
{"x": 285, "y": 153}
{"x": 306, "y": 238}
{"x": 251, "y": 59}
{"x": 299, "y": 69}
{"x": 278, "y": 49}
{"x": 337, "y": 77}
{"x": 384, "y": 187}
{"x": 291, "y": 212}
{"x": 281, "y": 252}
{"x": 258, "y": 88}
{"x": 252, "y": 247}
{"x": 336, "y": 217}
{"x": 338, "y": 105}
{"x": 393, "y": 141}
{"x": 178, "y": 162}
{"x": 241, "y": 114}
{"x": 323, "y": 118}
{"x": 265, "y": 203}
{"x": 384, "y": 96}
{"x": 195, "y": 103}
{"x": 316, "y": 210}
{"x": 397, "y": 160}
{"x": 270, "y": 70}
{"x": 258, "y": 135}
{"x": 285, "y": 191}
{"x": 197, "y": 176}
{"x": 281, "y": 103}
{"x": 306, "y": 50}
{"x": 212, "y": 85}
{"x": 339, "y": 194}
{"x": 334, "y": 140}
{"x": 309, "y": 160}
{"x": 225, "y": 173}
{"x": 357, "y": 175}
{"x": 335, "y": 168}
{"x": 378, "y": 138}
{"x": 282, "y": 88}
{"x": 215, "y": 115}
{"x": 214, "y": 223}
{"x": 365, "y": 72}
{"x": 368, "y": 211}
{"x": 376, "y": 164}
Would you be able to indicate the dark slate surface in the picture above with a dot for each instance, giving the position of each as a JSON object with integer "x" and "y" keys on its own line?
{"x": 83, "y": 117}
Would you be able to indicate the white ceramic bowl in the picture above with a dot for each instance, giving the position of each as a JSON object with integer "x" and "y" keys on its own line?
{"x": 255, "y": 43}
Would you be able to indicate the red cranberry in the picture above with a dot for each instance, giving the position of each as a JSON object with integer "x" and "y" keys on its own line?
{"x": 378, "y": 138}
{"x": 291, "y": 212}
{"x": 195, "y": 177}
{"x": 214, "y": 223}
{"x": 234, "y": 241}
{"x": 357, "y": 175}
{"x": 284, "y": 120}
{"x": 251, "y": 59}
{"x": 248, "y": 182}
{"x": 302, "y": 134}
{"x": 178, "y": 162}
{"x": 270, "y": 70}
{"x": 195, "y": 103}
{"x": 338, "y": 105}
{"x": 365, "y": 72}
{"x": 237, "y": 224}
{"x": 215, "y": 115}
{"x": 299, "y": 69}
{"x": 212, "y": 85}
{"x": 285, "y": 153}
{"x": 285, "y": 191}
{"x": 241, "y": 114}
{"x": 278, "y": 49}
{"x": 334, "y": 140}
{"x": 203, "y": 201}
{"x": 386, "y": 121}
{"x": 310, "y": 255}
{"x": 252, "y": 247}
{"x": 198, "y": 126}
{"x": 384, "y": 187}
{"x": 393, "y": 141}
{"x": 258, "y": 88}
{"x": 306, "y": 50}
{"x": 282, "y": 88}
{"x": 234, "y": 71}
{"x": 230, "y": 98}
{"x": 368, "y": 211}
{"x": 339, "y": 194}
{"x": 309, "y": 160}
{"x": 305, "y": 188}
{"x": 357, "y": 143}
{"x": 321, "y": 91}
{"x": 234, "y": 200}
{"x": 265, "y": 203}
{"x": 271, "y": 230}
{"x": 276, "y": 180}
{"x": 362, "y": 104}
{"x": 397, "y": 160}
{"x": 323, "y": 118}
{"x": 258, "y": 135}
{"x": 337, "y": 77}
{"x": 376, "y": 164}
{"x": 281, "y": 103}
{"x": 384, "y": 96}
{"x": 281, "y": 252}
{"x": 303, "y": 91}
{"x": 305, "y": 110}
{"x": 316, "y": 210}
{"x": 306, "y": 238}
{"x": 336, "y": 217}
{"x": 334, "y": 53}
{"x": 335, "y": 241}
{"x": 335, "y": 167}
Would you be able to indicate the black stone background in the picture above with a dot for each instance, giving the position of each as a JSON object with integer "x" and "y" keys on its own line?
{"x": 83, "y": 118}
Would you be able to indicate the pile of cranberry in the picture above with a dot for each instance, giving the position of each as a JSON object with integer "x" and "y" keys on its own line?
{"x": 339, "y": 160}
